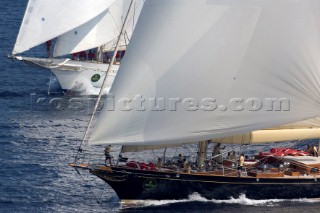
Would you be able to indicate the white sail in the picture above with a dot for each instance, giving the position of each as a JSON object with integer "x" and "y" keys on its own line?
{"x": 102, "y": 30}
{"x": 133, "y": 18}
{"x": 271, "y": 136}
{"x": 219, "y": 67}
{"x": 47, "y": 19}
{"x": 137, "y": 148}
{"x": 255, "y": 137}
{"x": 310, "y": 123}
{"x": 98, "y": 31}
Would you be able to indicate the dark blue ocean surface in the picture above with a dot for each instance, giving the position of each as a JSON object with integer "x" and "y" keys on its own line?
{"x": 39, "y": 138}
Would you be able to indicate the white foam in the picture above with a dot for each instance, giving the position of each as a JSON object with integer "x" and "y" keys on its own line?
{"x": 84, "y": 87}
{"x": 195, "y": 197}
{"x": 54, "y": 85}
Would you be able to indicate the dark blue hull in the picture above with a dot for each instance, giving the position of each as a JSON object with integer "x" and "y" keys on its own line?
{"x": 131, "y": 184}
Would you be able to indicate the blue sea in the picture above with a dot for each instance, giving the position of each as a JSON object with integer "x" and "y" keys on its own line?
{"x": 39, "y": 137}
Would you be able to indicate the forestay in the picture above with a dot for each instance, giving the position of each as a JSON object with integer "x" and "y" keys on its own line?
{"x": 47, "y": 19}
{"x": 225, "y": 63}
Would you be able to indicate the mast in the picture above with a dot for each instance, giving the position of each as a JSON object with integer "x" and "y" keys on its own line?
{"x": 202, "y": 153}
{"x": 105, "y": 78}
{"x": 99, "y": 51}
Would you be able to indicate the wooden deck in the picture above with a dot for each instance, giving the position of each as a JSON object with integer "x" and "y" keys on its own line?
{"x": 304, "y": 164}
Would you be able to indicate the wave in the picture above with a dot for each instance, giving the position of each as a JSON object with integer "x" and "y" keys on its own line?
{"x": 195, "y": 197}
{"x": 54, "y": 86}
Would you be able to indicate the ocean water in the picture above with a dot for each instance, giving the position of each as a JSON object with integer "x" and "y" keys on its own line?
{"x": 39, "y": 137}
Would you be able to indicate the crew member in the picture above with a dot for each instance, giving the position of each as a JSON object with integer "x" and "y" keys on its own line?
{"x": 107, "y": 57}
{"x": 83, "y": 55}
{"x": 187, "y": 168}
{"x": 229, "y": 157}
{"x": 159, "y": 163}
{"x": 314, "y": 151}
{"x": 308, "y": 150}
{"x": 216, "y": 153}
{"x": 184, "y": 163}
{"x": 107, "y": 154}
{"x": 241, "y": 161}
{"x": 75, "y": 56}
{"x": 49, "y": 44}
{"x": 118, "y": 56}
{"x": 90, "y": 55}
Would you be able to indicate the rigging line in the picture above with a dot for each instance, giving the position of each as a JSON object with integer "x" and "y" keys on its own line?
{"x": 49, "y": 87}
{"x": 126, "y": 39}
{"x": 295, "y": 143}
{"x": 140, "y": 159}
{"x": 104, "y": 189}
{"x": 16, "y": 63}
{"x": 190, "y": 150}
{"x": 125, "y": 33}
{"x": 175, "y": 152}
{"x": 93, "y": 194}
{"x": 245, "y": 147}
{"x": 104, "y": 81}
{"x": 154, "y": 154}
{"x": 298, "y": 141}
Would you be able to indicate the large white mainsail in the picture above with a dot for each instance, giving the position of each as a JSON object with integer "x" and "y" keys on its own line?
{"x": 227, "y": 55}
{"x": 102, "y": 30}
{"x": 47, "y": 19}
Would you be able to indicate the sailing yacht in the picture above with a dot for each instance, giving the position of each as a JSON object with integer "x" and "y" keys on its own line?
{"x": 240, "y": 72}
{"x": 76, "y": 26}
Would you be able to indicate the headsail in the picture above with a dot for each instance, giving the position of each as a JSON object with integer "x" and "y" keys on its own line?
{"x": 219, "y": 67}
{"x": 102, "y": 30}
{"x": 47, "y": 19}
